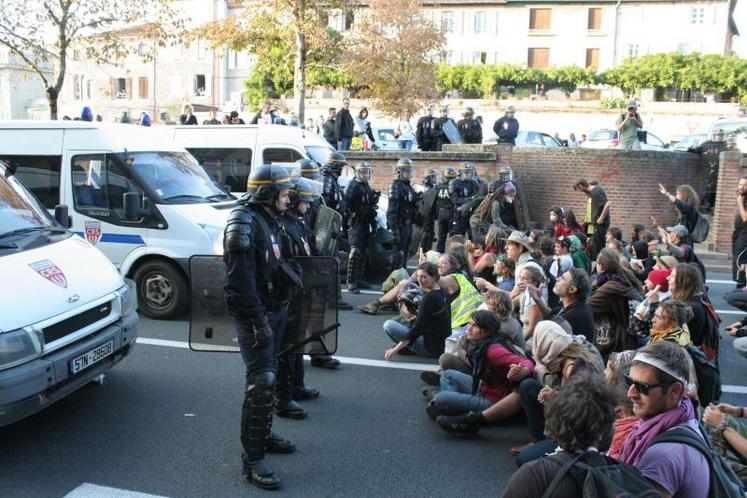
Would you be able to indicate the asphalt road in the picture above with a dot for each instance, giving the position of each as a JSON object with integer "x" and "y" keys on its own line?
{"x": 166, "y": 421}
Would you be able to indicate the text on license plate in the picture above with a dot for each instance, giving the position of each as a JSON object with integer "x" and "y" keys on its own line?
{"x": 93, "y": 356}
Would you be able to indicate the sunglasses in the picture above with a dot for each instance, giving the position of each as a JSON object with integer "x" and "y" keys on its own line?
{"x": 640, "y": 386}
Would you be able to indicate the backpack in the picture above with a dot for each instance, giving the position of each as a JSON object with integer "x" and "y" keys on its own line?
{"x": 701, "y": 229}
{"x": 724, "y": 482}
{"x": 708, "y": 375}
{"x": 712, "y": 336}
{"x": 606, "y": 478}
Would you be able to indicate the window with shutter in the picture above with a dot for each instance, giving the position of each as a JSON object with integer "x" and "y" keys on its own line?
{"x": 142, "y": 87}
{"x": 538, "y": 57}
{"x": 592, "y": 58}
{"x": 595, "y": 19}
{"x": 540, "y": 19}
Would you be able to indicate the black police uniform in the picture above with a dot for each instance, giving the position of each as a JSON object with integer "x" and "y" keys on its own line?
{"x": 444, "y": 212}
{"x": 429, "y": 214}
{"x": 462, "y": 191}
{"x": 438, "y": 132}
{"x": 426, "y": 133}
{"x": 400, "y": 215}
{"x": 332, "y": 193}
{"x": 361, "y": 201}
{"x": 260, "y": 281}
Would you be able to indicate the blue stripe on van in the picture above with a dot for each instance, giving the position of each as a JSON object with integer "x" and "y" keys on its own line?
{"x": 117, "y": 238}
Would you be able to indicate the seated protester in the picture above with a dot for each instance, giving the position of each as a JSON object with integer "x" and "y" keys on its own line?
{"x": 480, "y": 261}
{"x": 431, "y": 325}
{"x": 571, "y": 226}
{"x": 557, "y": 223}
{"x": 519, "y": 249}
{"x": 618, "y": 366}
{"x": 529, "y": 313}
{"x": 665, "y": 262}
{"x": 647, "y": 236}
{"x": 669, "y": 324}
{"x": 686, "y": 285}
{"x": 657, "y": 383}
{"x": 503, "y": 269}
{"x": 656, "y": 288}
{"x": 545, "y": 251}
{"x": 491, "y": 357}
{"x": 580, "y": 418}
{"x": 687, "y": 203}
{"x": 573, "y": 289}
{"x": 676, "y": 242}
{"x": 618, "y": 247}
{"x": 727, "y": 431}
{"x": 635, "y": 233}
{"x": 640, "y": 261}
{"x": 575, "y": 249}
{"x": 614, "y": 233}
{"x": 613, "y": 287}
{"x": 562, "y": 260}
{"x": 738, "y": 330}
{"x": 494, "y": 240}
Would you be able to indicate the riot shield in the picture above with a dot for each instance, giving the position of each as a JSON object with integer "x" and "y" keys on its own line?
{"x": 211, "y": 328}
{"x": 452, "y": 133}
{"x": 428, "y": 202}
{"x": 327, "y": 227}
{"x": 312, "y": 320}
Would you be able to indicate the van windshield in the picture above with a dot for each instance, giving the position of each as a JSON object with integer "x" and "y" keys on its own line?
{"x": 319, "y": 153}
{"x": 19, "y": 210}
{"x": 173, "y": 177}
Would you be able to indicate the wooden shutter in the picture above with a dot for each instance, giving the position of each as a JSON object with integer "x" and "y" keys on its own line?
{"x": 595, "y": 19}
{"x": 142, "y": 84}
{"x": 592, "y": 57}
{"x": 538, "y": 57}
{"x": 540, "y": 19}
{"x": 128, "y": 88}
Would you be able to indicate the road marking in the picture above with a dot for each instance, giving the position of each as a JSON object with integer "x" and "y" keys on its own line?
{"x": 734, "y": 389}
{"x": 728, "y": 282}
{"x": 730, "y": 312}
{"x": 88, "y": 490}
{"x": 163, "y": 342}
{"x": 371, "y": 292}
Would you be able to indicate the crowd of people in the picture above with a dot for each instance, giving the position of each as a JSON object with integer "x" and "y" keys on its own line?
{"x": 605, "y": 342}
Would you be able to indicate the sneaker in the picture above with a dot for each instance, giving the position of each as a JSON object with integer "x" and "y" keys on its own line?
{"x": 430, "y": 392}
{"x": 371, "y": 308}
{"x": 430, "y": 378}
{"x": 458, "y": 424}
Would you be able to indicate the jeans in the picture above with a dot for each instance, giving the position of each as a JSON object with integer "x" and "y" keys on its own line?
{"x": 262, "y": 359}
{"x": 456, "y": 395}
{"x": 397, "y": 332}
{"x": 345, "y": 143}
{"x": 737, "y": 298}
{"x": 536, "y": 451}
{"x": 529, "y": 388}
{"x": 405, "y": 144}
{"x": 740, "y": 346}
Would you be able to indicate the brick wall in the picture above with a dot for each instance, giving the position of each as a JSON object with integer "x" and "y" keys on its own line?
{"x": 547, "y": 176}
{"x": 732, "y": 166}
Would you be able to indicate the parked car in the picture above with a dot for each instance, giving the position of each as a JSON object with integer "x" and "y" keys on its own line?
{"x": 385, "y": 139}
{"x": 689, "y": 141}
{"x": 735, "y": 127}
{"x": 528, "y": 138}
{"x": 608, "y": 139}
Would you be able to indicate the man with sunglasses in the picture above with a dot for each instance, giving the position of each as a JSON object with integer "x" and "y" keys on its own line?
{"x": 658, "y": 389}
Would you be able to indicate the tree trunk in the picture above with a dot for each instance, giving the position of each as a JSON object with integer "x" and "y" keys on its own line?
{"x": 52, "y": 101}
{"x": 299, "y": 77}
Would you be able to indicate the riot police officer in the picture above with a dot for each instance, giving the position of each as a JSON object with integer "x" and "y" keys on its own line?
{"x": 361, "y": 200}
{"x": 290, "y": 376}
{"x": 260, "y": 278}
{"x": 428, "y": 209}
{"x": 444, "y": 208}
{"x": 309, "y": 169}
{"x": 333, "y": 198}
{"x": 463, "y": 190}
{"x": 402, "y": 208}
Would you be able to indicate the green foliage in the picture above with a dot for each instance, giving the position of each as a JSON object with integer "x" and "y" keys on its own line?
{"x": 606, "y": 103}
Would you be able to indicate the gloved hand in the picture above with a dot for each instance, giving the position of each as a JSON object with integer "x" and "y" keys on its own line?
{"x": 260, "y": 333}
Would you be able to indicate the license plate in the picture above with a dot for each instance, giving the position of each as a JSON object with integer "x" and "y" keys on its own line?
{"x": 93, "y": 356}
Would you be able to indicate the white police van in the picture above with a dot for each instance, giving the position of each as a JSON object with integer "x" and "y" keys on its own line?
{"x": 134, "y": 194}
{"x": 68, "y": 316}
{"x": 229, "y": 152}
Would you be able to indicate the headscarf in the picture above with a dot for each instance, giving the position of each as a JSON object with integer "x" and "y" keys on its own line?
{"x": 549, "y": 341}
{"x": 575, "y": 243}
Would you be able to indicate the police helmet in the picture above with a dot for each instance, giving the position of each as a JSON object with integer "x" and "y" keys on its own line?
{"x": 405, "y": 165}
{"x": 363, "y": 172}
{"x": 305, "y": 190}
{"x": 335, "y": 162}
{"x": 448, "y": 174}
{"x": 411, "y": 297}
{"x": 467, "y": 169}
{"x": 309, "y": 169}
{"x": 266, "y": 182}
{"x": 429, "y": 173}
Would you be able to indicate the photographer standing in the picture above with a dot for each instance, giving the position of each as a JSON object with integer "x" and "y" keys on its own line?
{"x": 628, "y": 125}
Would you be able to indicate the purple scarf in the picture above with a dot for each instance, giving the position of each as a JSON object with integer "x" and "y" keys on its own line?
{"x": 602, "y": 278}
{"x": 644, "y": 431}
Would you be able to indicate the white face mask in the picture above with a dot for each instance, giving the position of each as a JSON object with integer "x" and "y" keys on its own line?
{"x": 553, "y": 218}
{"x": 510, "y": 200}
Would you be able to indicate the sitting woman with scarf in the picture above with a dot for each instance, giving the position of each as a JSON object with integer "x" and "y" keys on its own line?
{"x": 613, "y": 287}
{"x": 573, "y": 245}
{"x": 492, "y": 355}
{"x": 670, "y": 323}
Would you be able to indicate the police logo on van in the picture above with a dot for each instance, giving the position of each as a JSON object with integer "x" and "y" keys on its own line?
{"x": 93, "y": 231}
{"x": 50, "y": 271}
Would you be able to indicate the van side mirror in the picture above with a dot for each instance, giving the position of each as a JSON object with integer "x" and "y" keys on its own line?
{"x": 61, "y": 216}
{"x": 227, "y": 188}
{"x": 131, "y": 203}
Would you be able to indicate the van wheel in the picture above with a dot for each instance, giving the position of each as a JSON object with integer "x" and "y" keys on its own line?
{"x": 162, "y": 291}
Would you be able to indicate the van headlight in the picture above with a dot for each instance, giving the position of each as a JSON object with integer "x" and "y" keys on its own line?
{"x": 216, "y": 236}
{"x": 18, "y": 346}
{"x": 127, "y": 297}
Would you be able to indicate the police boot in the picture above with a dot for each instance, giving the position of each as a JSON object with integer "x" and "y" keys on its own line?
{"x": 352, "y": 271}
{"x": 324, "y": 361}
{"x": 286, "y": 407}
{"x": 300, "y": 390}
{"x": 256, "y": 424}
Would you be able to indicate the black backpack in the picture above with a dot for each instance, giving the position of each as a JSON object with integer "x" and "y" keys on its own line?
{"x": 724, "y": 482}
{"x": 708, "y": 375}
{"x": 600, "y": 476}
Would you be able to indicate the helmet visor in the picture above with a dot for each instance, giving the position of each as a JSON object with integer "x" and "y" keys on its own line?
{"x": 364, "y": 174}
{"x": 307, "y": 190}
